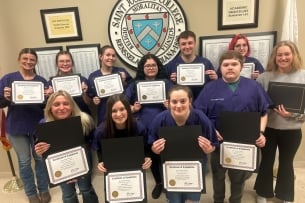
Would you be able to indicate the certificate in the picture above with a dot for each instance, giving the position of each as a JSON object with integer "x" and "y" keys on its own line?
{"x": 27, "y": 92}
{"x": 66, "y": 165}
{"x": 71, "y": 84}
{"x": 108, "y": 85}
{"x": 190, "y": 74}
{"x": 238, "y": 156}
{"x": 125, "y": 186}
{"x": 182, "y": 176}
{"x": 247, "y": 70}
{"x": 151, "y": 92}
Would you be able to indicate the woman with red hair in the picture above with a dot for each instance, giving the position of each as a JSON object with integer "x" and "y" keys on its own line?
{"x": 241, "y": 44}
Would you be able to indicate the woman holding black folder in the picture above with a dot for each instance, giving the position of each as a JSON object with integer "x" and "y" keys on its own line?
{"x": 61, "y": 105}
{"x": 231, "y": 93}
{"x": 283, "y": 128}
{"x": 181, "y": 113}
{"x": 119, "y": 123}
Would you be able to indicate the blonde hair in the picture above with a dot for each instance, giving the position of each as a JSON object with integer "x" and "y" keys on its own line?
{"x": 296, "y": 61}
{"x": 87, "y": 121}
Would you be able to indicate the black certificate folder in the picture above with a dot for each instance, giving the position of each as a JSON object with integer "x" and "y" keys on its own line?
{"x": 291, "y": 95}
{"x": 181, "y": 143}
{"x": 121, "y": 154}
{"x": 240, "y": 127}
{"x": 61, "y": 134}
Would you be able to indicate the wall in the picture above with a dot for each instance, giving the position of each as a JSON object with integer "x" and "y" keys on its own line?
{"x": 21, "y": 26}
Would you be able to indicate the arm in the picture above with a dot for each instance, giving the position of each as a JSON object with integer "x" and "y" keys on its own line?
{"x": 261, "y": 141}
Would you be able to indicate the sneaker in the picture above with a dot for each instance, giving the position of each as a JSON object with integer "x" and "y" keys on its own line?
{"x": 34, "y": 199}
{"x": 45, "y": 197}
{"x": 157, "y": 191}
{"x": 260, "y": 199}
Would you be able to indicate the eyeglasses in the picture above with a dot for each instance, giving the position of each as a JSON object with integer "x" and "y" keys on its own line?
{"x": 150, "y": 66}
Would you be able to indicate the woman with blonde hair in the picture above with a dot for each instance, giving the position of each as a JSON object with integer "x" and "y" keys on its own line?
{"x": 60, "y": 106}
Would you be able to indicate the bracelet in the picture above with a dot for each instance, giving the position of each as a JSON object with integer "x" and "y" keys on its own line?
{"x": 262, "y": 132}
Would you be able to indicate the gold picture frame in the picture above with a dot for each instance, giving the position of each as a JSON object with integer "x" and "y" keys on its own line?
{"x": 61, "y": 24}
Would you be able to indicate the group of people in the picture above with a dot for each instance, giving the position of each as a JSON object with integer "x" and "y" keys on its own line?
{"x": 122, "y": 115}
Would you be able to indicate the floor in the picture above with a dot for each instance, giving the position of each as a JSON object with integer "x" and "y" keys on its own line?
{"x": 248, "y": 197}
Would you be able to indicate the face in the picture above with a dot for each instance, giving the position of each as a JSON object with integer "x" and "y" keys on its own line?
{"x": 179, "y": 104}
{"x": 187, "y": 46}
{"x": 27, "y": 61}
{"x": 119, "y": 114}
{"x": 241, "y": 46}
{"x": 284, "y": 58}
{"x": 150, "y": 69}
{"x": 108, "y": 57}
{"x": 230, "y": 70}
{"x": 61, "y": 108}
{"x": 64, "y": 63}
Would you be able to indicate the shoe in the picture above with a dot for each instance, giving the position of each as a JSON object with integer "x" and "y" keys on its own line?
{"x": 34, "y": 199}
{"x": 260, "y": 199}
{"x": 157, "y": 191}
{"x": 45, "y": 197}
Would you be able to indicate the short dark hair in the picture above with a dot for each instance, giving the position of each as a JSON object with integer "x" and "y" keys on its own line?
{"x": 187, "y": 33}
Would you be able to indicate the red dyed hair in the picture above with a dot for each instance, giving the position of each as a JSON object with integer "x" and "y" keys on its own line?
{"x": 234, "y": 41}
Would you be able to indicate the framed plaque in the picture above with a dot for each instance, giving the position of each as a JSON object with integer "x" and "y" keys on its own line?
{"x": 291, "y": 95}
{"x": 190, "y": 74}
{"x": 108, "y": 85}
{"x": 71, "y": 84}
{"x": 27, "y": 92}
{"x": 151, "y": 92}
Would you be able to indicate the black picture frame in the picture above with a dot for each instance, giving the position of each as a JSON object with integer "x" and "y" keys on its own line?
{"x": 234, "y": 14}
{"x": 61, "y": 24}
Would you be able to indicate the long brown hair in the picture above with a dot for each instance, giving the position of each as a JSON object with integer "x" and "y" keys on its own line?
{"x": 110, "y": 125}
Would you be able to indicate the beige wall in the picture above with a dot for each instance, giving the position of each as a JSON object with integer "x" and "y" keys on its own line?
{"x": 20, "y": 26}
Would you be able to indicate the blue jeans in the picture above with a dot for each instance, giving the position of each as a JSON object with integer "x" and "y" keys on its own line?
{"x": 69, "y": 194}
{"x": 24, "y": 147}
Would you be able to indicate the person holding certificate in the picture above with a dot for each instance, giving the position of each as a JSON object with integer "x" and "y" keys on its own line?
{"x": 107, "y": 59}
{"x": 180, "y": 113}
{"x": 187, "y": 44}
{"x": 21, "y": 122}
{"x": 60, "y": 106}
{"x": 149, "y": 69}
{"x": 232, "y": 93}
{"x": 283, "y": 130}
{"x": 65, "y": 63}
{"x": 119, "y": 123}
{"x": 241, "y": 44}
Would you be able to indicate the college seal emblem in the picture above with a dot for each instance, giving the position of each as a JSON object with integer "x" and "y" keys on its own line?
{"x": 138, "y": 27}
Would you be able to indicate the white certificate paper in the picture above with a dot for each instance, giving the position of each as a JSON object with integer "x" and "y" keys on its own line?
{"x": 151, "y": 92}
{"x": 125, "y": 186}
{"x": 66, "y": 165}
{"x": 183, "y": 176}
{"x": 108, "y": 85}
{"x": 190, "y": 74}
{"x": 71, "y": 84}
{"x": 247, "y": 70}
{"x": 27, "y": 92}
{"x": 238, "y": 156}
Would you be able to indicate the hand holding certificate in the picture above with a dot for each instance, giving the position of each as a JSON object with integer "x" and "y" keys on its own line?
{"x": 190, "y": 74}
{"x": 27, "y": 92}
{"x": 247, "y": 70}
{"x": 71, "y": 84}
{"x": 108, "y": 85}
{"x": 151, "y": 92}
